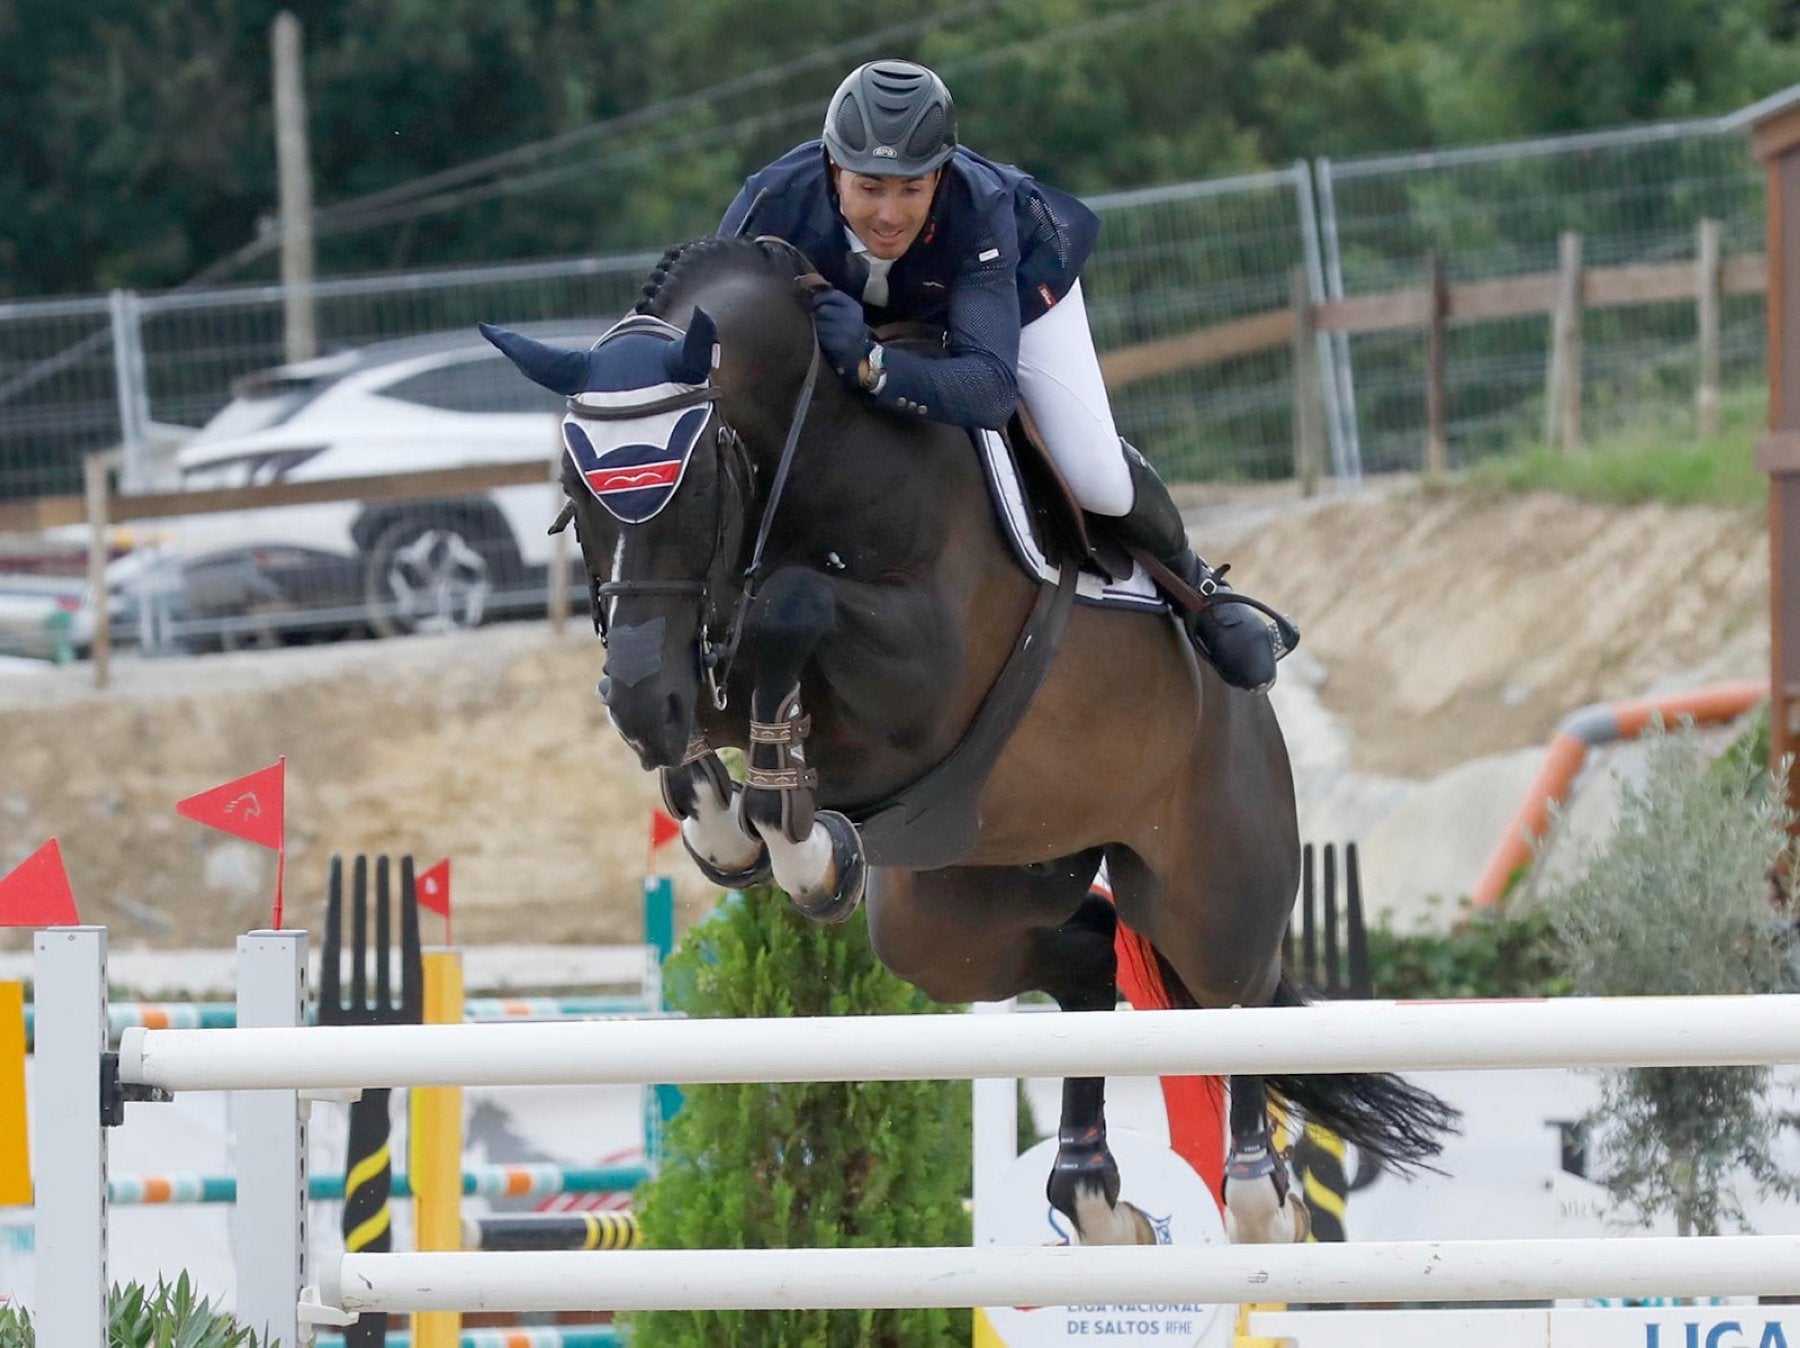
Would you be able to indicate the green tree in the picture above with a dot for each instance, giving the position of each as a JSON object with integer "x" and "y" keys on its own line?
{"x": 1675, "y": 903}
{"x": 820, "y": 1166}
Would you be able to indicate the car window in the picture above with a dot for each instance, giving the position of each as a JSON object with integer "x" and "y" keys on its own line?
{"x": 483, "y": 384}
{"x": 258, "y": 406}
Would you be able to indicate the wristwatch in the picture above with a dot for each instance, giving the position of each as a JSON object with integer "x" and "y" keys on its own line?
{"x": 871, "y": 374}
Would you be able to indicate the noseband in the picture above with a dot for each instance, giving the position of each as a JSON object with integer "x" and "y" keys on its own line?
{"x": 736, "y": 466}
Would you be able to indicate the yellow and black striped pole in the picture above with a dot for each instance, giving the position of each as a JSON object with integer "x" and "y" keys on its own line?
{"x": 552, "y": 1231}
{"x": 368, "y": 1224}
{"x": 1325, "y": 1183}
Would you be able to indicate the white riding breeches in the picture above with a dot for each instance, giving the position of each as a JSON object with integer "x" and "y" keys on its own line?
{"x": 1065, "y": 396}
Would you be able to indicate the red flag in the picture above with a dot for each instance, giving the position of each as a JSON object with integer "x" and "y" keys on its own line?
{"x": 251, "y": 808}
{"x": 663, "y": 830}
{"x": 36, "y": 893}
{"x": 434, "y": 888}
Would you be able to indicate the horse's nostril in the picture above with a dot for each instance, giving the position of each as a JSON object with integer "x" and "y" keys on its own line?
{"x": 605, "y": 689}
{"x": 677, "y": 712}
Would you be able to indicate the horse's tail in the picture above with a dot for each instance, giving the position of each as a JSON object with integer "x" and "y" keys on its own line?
{"x": 1392, "y": 1122}
{"x": 1386, "y": 1117}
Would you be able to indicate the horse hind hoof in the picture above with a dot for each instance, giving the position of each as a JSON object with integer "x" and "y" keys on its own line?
{"x": 1256, "y": 1215}
{"x": 848, "y": 866}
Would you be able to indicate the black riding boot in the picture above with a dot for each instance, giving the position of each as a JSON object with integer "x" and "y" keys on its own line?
{"x": 1232, "y": 636}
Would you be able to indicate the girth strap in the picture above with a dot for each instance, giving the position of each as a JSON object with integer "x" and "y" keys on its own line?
{"x": 933, "y": 823}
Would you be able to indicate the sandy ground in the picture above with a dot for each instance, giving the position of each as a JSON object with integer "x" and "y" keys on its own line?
{"x": 1446, "y": 633}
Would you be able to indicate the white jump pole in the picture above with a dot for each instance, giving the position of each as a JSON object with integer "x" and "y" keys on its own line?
{"x": 1340, "y": 1037}
{"x": 1472, "y": 1270}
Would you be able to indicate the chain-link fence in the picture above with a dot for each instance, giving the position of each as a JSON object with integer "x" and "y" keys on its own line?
{"x": 194, "y": 389}
{"x": 1176, "y": 259}
{"x": 1635, "y": 196}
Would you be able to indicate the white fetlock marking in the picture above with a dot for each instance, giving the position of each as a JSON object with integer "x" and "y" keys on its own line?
{"x": 1097, "y": 1223}
{"x": 1254, "y": 1217}
{"x": 804, "y": 869}
{"x": 714, "y": 835}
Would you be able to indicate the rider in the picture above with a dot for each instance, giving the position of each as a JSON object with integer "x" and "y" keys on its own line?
{"x": 908, "y": 225}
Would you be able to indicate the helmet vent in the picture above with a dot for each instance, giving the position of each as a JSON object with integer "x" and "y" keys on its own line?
{"x": 928, "y": 135}
{"x": 849, "y": 126}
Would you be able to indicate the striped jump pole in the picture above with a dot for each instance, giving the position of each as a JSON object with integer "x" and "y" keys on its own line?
{"x": 534, "y": 1180}
{"x": 552, "y": 1231}
{"x": 122, "y": 1016}
{"x": 548, "y": 1336}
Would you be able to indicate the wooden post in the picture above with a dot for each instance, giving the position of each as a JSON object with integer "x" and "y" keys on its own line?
{"x": 1309, "y": 448}
{"x": 1562, "y": 391}
{"x": 1437, "y": 310}
{"x": 1707, "y": 289}
{"x": 93, "y": 479}
{"x": 293, "y": 164}
{"x": 1775, "y": 139}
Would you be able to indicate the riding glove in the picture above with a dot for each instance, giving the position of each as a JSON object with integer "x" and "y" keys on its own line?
{"x": 843, "y": 335}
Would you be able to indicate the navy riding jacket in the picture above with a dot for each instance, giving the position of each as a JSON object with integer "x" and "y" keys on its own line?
{"x": 997, "y": 251}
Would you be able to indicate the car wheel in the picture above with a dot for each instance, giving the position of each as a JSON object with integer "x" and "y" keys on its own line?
{"x": 435, "y": 574}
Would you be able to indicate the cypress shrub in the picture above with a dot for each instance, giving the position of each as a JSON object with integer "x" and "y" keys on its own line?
{"x": 824, "y": 1166}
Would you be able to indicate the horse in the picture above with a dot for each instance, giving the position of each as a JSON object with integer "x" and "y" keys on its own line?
{"x": 760, "y": 540}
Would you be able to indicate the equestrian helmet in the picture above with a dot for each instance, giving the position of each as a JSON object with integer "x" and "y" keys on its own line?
{"x": 890, "y": 119}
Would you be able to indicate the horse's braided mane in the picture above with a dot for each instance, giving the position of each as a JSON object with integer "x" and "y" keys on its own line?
{"x": 684, "y": 262}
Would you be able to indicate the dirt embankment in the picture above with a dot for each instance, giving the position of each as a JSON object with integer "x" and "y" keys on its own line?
{"x": 1451, "y": 626}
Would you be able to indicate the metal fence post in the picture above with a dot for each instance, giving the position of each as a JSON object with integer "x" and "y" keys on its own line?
{"x": 1347, "y": 446}
{"x": 131, "y": 383}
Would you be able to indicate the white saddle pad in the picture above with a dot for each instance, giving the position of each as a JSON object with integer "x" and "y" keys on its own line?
{"x": 1137, "y": 591}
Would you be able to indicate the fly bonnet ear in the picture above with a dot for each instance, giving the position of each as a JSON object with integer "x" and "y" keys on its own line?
{"x": 692, "y": 361}
{"x": 556, "y": 368}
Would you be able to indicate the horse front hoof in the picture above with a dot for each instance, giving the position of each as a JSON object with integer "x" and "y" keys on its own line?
{"x": 756, "y": 873}
{"x": 848, "y": 866}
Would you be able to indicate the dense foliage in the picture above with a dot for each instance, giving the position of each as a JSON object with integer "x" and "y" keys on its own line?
{"x": 820, "y": 1166}
{"x": 168, "y": 1316}
{"x": 140, "y": 142}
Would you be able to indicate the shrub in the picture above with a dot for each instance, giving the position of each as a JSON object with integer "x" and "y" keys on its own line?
{"x": 165, "y": 1317}
{"x": 1675, "y": 901}
{"x": 823, "y": 1165}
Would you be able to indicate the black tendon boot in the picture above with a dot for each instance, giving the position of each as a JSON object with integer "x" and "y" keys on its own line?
{"x": 1232, "y": 636}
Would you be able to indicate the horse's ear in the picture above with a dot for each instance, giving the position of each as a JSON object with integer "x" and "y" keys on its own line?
{"x": 692, "y": 361}
{"x": 557, "y": 369}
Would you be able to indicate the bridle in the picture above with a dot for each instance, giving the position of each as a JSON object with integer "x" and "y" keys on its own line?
{"x": 735, "y": 466}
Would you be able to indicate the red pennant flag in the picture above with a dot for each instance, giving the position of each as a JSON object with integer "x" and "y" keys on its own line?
{"x": 434, "y": 888}
{"x": 252, "y": 808}
{"x": 249, "y": 808}
{"x": 663, "y": 830}
{"x": 37, "y": 893}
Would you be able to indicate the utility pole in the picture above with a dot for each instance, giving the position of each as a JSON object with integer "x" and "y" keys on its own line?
{"x": 294, "y": 172}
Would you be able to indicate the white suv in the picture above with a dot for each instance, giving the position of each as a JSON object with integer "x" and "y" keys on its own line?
{"x": 396, "y": 407}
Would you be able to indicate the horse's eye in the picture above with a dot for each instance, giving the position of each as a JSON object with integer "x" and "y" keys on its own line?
{"x": 563, "y": 517}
